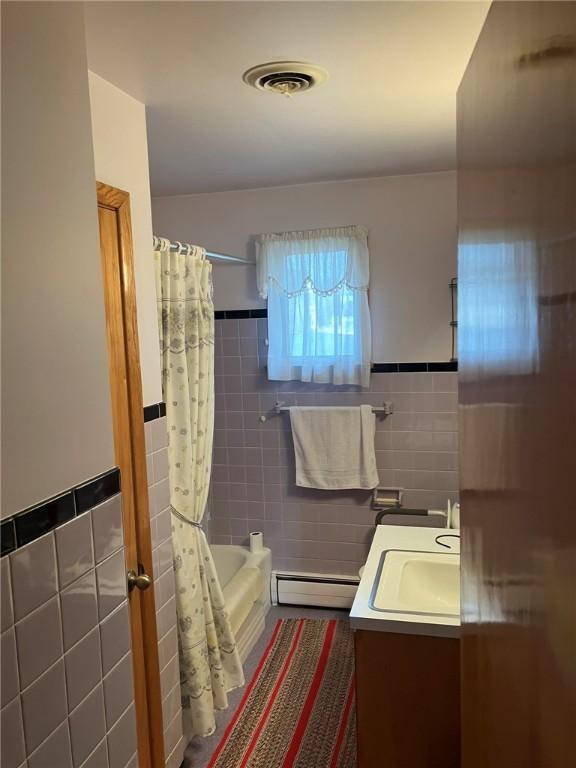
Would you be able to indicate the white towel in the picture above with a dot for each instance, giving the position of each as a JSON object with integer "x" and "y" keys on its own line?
{"x": 334, "y": 447}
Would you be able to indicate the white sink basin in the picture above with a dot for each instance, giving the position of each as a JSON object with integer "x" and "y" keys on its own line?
{"x": 410, "y": 584}
{"x": 418, "y": 582}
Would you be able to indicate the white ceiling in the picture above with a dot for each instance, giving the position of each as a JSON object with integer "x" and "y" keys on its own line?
{"x": 388, "y": 108}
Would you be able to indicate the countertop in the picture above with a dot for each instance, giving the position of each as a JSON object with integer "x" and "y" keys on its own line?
{"x": 399, "y": 537}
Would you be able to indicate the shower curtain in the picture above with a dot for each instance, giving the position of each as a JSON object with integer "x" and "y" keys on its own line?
{"x": 209, "y": 662}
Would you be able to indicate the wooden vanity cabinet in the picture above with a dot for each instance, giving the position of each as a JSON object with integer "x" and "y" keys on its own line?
{"x": 407, "y": 700}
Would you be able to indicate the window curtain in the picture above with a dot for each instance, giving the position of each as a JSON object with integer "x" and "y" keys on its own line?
{"x": 209, "y": 662}
{"x": 316, "y": 283}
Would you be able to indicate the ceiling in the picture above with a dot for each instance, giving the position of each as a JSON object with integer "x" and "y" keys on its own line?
{"x": 388, "y": 107}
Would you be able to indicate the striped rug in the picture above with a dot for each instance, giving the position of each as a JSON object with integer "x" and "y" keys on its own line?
{"x": 298, "y": 710}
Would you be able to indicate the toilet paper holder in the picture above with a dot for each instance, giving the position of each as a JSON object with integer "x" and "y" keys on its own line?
{"x": 386, "y": 498}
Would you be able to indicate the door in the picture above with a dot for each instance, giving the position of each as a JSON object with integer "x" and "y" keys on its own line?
{"x": 517, "y": 336}
{"x": 128, "y": 419}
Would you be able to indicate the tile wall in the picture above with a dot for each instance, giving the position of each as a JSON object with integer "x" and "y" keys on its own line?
{"x": 253, "y": 474}
{"x": 160, "y": 527}
{"x": 67, "y": 692}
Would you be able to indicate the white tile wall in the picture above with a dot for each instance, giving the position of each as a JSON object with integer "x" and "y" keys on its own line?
{"x": 61, "y": 659}
{"x": 161, "y": 532}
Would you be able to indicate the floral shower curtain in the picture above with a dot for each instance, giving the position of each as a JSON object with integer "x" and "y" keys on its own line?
{"x": 209, "y": 662}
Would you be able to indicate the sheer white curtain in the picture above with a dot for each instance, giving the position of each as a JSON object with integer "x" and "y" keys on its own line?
{"x": 316, "y": 283}
{"x": 209, "y": 662}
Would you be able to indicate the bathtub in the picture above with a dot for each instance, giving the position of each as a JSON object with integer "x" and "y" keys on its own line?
{"x": 245, "y": 580}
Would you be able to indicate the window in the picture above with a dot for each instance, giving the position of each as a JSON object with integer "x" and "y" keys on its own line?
{"x": 316, "y": 283}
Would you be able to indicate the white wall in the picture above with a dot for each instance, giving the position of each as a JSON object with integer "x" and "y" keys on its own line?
{"x": 412, "y": 224}
{"x": 57, "y": 424}
{"x": 121, "y": 160}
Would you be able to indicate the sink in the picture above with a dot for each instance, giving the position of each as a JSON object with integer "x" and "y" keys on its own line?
{"x": 418, "y": 582}
{"x": 411, "y": 583}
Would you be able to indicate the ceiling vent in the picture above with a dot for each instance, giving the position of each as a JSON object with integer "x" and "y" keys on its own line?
{"x": 285, "y": 77}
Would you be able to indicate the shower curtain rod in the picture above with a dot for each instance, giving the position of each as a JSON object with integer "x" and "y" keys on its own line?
{"x": 212, "y": 255}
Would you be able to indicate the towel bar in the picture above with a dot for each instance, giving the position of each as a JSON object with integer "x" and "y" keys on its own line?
{"x": 279, "y": 407}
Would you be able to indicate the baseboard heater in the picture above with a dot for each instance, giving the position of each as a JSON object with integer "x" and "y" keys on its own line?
{"x": 314, "y": 590}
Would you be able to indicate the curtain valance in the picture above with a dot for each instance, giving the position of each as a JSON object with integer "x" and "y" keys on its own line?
{"x": 321, "y": 260}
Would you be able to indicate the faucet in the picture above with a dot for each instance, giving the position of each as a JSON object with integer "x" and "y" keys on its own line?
{"x": 393, "y": 510}
{"x": 452, "y": 515}
{"x": 446, "y": 536}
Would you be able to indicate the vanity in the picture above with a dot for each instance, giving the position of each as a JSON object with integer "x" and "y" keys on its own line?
{"x": 406, "y": 622}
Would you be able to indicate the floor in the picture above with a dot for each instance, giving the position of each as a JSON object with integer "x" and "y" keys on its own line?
{"x": 199, "y": 751}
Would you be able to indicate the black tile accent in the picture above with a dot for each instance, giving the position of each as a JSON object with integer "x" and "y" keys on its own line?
{"x": 7, "y": 537}
{"x": 384, "y": 368}
{"x": 151, "y": 412}
{"x": 259, "y": 313}
{"x": 412, "y": 367}
{"x": 240, "y": 314}
{"x": 155, "y": 411}
{"x": 237, "y": 314}
{"x": 35, "y": 522}
{"x": 96, "y": 491}
{"x": 30, "y": 524}
{"x": 452, "y": 365}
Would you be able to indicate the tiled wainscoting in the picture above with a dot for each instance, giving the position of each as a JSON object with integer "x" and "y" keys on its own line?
{"x": 161, "y": 527}
{"x": 253, "y": 475}
{"x": 67, "y": 692}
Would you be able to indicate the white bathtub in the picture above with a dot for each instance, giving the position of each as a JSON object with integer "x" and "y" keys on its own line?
{"x": 245, "y": 580}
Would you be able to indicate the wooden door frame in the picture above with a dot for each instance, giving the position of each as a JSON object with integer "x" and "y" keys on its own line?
{"x": 128, "y": 417}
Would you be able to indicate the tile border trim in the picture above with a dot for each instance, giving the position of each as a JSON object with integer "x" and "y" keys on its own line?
{"x": 154, "y": 411}
{"x": 29, "y": 524}
{"x": 416, "y": 367}
{"x": 437, "y": 367}
{"x": 240, "y": 314}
